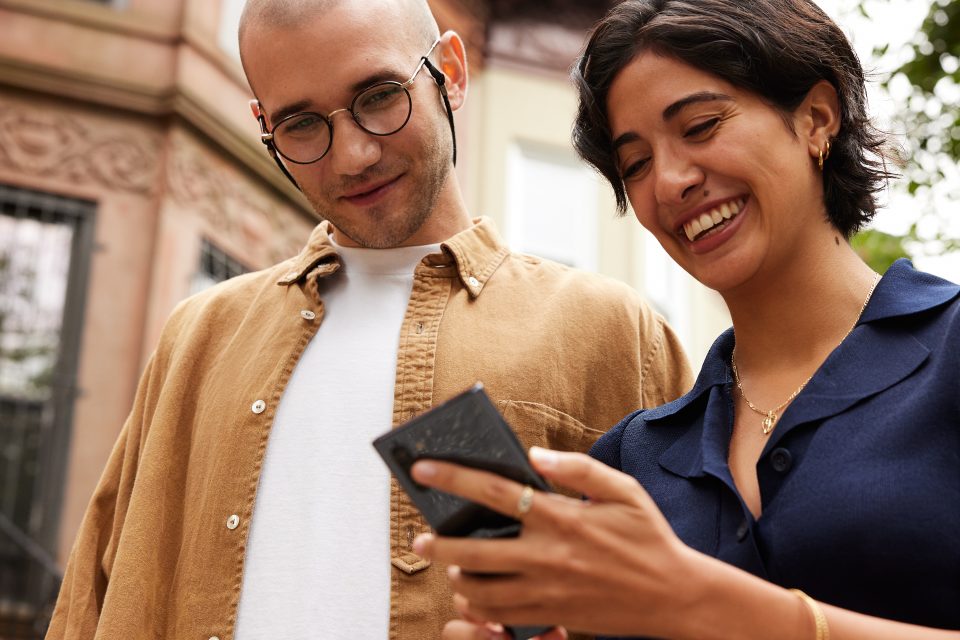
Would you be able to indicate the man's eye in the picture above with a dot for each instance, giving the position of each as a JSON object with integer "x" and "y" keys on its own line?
{"x": 701, "y": 129}
{"x": 380, "y": 98}
{"x": 304, "y": 125}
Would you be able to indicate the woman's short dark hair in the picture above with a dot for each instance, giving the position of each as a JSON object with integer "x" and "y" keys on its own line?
{"x": 776, "y": 49}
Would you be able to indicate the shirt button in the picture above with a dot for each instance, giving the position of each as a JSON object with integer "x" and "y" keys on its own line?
{"x": 742, "y": 531}
{"x": 781, "y": 460}
{"x": 473, "y": 282}
{"x": 306, "y": 314}
{"x": 214, "y": 638}
{"x": 259, "y": 406}
{"x": 233, "y": 522}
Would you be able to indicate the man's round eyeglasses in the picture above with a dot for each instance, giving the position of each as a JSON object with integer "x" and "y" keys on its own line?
{"x": 381, "y": 110}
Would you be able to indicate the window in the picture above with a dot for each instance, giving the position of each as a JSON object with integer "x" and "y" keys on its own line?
{"x": 215, "y": 266}
{"x": 45, "y": 243}
{"x": 552, "y": 205}
{"x": 230, "y": 11}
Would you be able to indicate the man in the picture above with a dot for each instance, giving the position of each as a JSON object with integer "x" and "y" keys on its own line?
{"x": 243, "y": 499}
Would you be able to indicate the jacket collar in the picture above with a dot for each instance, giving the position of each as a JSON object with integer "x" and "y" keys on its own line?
{"x": 475, "y": 253}
{"x": 840, "y": 382}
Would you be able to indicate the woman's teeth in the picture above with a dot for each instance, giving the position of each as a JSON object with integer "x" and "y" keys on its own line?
{"x": 705, "y": 222}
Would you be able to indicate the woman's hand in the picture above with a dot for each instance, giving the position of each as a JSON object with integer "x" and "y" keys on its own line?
{"x": 611, "y": 564}
{"x": 470, "y": 628}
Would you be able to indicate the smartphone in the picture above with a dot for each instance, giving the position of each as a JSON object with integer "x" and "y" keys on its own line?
{"x": 467, "y": 430}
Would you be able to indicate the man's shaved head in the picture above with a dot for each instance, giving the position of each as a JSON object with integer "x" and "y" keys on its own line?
{"x": 290, "y": 14}
{"x": 313, "y": 56}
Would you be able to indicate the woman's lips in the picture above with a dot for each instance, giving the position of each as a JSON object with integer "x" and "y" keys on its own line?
{"x": 712, "y": 221}
{"x": 708, "y": 239}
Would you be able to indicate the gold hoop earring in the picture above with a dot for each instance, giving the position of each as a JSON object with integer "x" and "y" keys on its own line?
{"x": 823, "y": 155}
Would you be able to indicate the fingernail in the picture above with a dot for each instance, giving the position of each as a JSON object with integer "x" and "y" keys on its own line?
{"x": 420, "y": 543}
{"x": 544, "y": 458}
{"x": 424, "y": 469}
{"x": 453, "y": 572}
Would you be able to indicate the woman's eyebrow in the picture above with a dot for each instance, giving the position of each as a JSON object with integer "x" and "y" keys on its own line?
{"x": 693, "y": 98}
{"x": 672, "y": 111}
{"x": 625, "y": 138}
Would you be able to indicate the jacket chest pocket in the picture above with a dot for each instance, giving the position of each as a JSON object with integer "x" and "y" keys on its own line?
{"x": 543, "y": 426}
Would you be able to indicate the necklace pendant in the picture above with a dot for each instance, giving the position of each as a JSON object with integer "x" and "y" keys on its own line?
{"x": 768, "y": 422}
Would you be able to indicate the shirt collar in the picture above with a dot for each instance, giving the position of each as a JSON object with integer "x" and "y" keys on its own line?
{"x": 476, "y": 253}
{"x": 902, "y": 291}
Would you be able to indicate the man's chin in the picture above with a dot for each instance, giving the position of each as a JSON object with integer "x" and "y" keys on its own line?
{"x": 379, "y": 234}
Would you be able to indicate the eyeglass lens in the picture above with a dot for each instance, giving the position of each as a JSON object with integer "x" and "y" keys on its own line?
{"x": 381, "y": 110}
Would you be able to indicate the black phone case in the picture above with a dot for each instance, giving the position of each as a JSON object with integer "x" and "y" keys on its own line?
{"x": 467, "y": 430}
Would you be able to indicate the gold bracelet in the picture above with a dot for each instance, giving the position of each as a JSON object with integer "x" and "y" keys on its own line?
{"x": 819, "y": 620}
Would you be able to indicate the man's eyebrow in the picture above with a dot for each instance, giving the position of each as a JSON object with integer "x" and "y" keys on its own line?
{"x": 693, "y": 98}
{"x": 289, "y": 110}
{"x": 375, "y": 78}
{"x": 358, "y": 86}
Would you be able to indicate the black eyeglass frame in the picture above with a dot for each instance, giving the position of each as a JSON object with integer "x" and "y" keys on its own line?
{"x": 266, "y": 136}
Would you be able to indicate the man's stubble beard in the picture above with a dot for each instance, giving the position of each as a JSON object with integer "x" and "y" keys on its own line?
{"x": 392, "y": 232}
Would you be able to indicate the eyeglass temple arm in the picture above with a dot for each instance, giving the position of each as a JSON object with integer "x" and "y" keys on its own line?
{"x": 439, "y": 78}
{"x": 273, "y": 152}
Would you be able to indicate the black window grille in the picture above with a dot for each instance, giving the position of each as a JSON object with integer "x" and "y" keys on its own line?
{"x": 215, "y": 266}
{"x": 45, "y": 244}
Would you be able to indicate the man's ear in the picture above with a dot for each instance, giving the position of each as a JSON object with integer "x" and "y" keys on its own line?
{"x": 255, "y": 108}
{"x": 453, "y": 64}
{"x": 819, "y": 117}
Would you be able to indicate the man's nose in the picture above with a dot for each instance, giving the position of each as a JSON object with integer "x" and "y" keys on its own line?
{"x": 352, "y": 150}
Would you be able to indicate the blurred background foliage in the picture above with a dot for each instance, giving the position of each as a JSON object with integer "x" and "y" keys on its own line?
{"x": 930, "y": 117}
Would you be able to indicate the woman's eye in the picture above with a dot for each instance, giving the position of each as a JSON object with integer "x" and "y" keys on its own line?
{"x": 701, "y": 129}
{"x": 634, "y": 168}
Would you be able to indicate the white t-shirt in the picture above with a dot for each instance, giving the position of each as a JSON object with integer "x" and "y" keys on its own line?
{"x": 318, "y": 554}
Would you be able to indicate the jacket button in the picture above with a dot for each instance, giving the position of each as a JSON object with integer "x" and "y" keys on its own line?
{"x": 473, "y": 282}
{"x": 742, "y": 531}
{"x": 781, "y": 460}
{"x": 306, "y": 314}
{"x": 258, "y": 407}
{"x": 233, "y": 522}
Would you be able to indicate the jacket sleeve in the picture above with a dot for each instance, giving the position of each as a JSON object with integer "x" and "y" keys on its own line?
{"x": 665, "y": 371}
{"x": 87, "y": 574}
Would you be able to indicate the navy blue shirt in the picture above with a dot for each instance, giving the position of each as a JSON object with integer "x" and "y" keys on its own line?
{"x": 860, "y": 479}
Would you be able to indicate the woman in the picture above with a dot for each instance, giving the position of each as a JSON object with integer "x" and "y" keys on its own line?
{"x": 809, "y": 485}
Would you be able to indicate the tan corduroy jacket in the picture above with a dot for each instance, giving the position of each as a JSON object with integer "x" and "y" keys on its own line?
{"x": 160, "y": 552}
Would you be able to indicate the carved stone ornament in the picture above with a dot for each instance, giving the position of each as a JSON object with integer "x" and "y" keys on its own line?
{"x": 57, "y": 143}
{"x": 199, "y": 181}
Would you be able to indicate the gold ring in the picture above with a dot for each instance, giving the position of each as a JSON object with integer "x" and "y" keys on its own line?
{"x": 525, "y": 501}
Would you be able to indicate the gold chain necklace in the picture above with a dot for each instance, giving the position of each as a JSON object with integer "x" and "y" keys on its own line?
{"x": 770, "y": 417}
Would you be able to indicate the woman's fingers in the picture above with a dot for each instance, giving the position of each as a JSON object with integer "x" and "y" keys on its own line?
{"x": 575, "y": 471}
{"x": 489, "y": 489}
{"x": 496, "y": 591}
{"x": 498, "y": 556}
{"x": 585, "y": 475}
{"x": 473, "y": 627}
{"x": 464, "y": 630}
